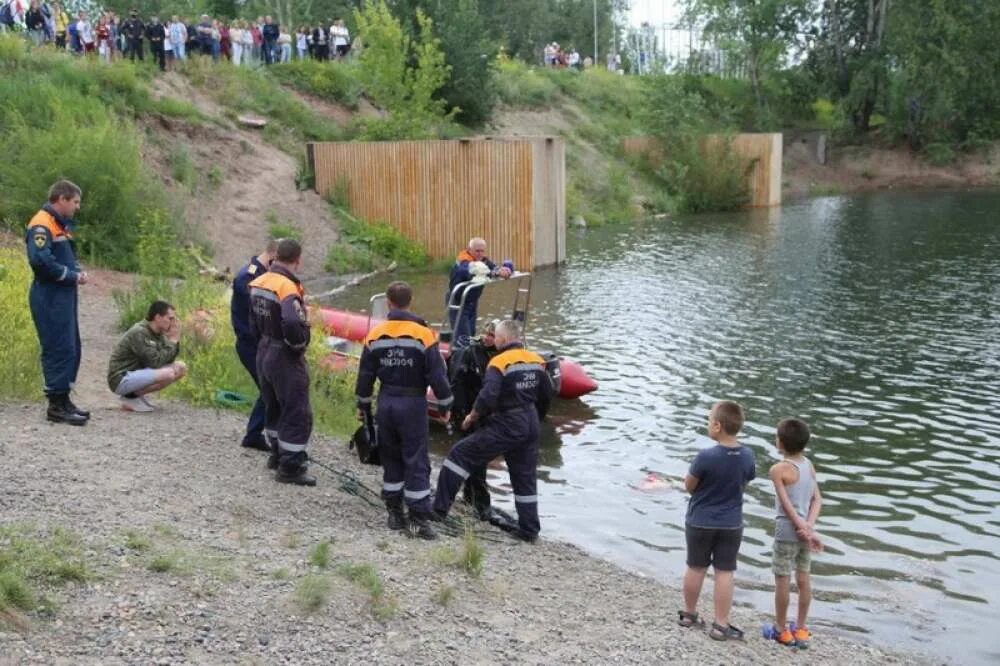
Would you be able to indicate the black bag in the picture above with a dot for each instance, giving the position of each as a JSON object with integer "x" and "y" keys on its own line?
{"x": 365, "y": 442}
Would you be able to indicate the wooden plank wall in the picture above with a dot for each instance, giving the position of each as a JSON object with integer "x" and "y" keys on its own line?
{"x": 764, "y": 149}
{"x": 442, "y": 193}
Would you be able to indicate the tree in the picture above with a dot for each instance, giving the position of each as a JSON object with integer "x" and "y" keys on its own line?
{"x": 760, "y": 32}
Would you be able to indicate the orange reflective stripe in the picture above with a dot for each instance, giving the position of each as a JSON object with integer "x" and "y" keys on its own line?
{"x": 395, "y": 328}
{"x": 512, "y": 356}
{"x": 44, "y": 219}
{"x": 279, "y": 285}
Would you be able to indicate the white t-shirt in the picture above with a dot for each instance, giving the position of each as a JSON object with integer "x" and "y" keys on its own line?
{"x": 339, "y": 35}
{"x": 300, "y": 41}
{"x": 85, "y": 31}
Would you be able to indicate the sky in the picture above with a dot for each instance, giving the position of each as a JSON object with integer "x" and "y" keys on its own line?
{"x": 655, "y": 12}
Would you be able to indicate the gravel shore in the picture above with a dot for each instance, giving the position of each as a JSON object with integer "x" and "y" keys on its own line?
{"x": 198, "y": 556}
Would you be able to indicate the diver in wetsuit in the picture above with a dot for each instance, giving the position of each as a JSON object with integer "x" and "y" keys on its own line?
{"x": 466, "y": 369}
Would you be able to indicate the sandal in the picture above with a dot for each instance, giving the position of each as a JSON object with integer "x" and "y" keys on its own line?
{"x": 729, "y": 633}
{"x": 686, "y": 619}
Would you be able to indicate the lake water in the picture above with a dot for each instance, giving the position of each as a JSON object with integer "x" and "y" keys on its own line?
{"x": 875, "y": 318}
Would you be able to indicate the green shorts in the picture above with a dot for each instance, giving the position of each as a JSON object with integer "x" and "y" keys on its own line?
{"x": 789, "y": 555}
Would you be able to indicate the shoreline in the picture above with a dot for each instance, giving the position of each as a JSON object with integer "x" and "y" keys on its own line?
{"x": 183, "y": 484}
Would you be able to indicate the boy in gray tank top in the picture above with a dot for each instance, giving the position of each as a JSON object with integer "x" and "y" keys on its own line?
{"x": 797, "y": 503}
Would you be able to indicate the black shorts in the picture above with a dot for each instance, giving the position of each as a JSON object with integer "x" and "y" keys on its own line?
{"x": 717, "y": 547}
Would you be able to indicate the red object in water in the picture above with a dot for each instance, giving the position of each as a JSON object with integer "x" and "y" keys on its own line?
{"x": 355, "y": 326}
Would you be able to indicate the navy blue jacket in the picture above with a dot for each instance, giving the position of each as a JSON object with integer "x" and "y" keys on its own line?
{"x": 277, "y": 308}
{"x": 460, "y": 273}
{"x": 515, "y": 378}
{"x": 402, "y": 353}
{"x": 50, "y": 248}
{"x": 239, "y": 306}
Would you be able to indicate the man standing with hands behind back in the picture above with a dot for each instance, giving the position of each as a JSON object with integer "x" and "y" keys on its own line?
{"x": 53, "y": 298}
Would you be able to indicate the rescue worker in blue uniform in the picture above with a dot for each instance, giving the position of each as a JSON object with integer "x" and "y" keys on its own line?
{"x": 278, "y": 318}
{"x": 463, "y": 324}
{"x": 53, "y": 298}
{"x": 402, "y": 353}
{"x": 516, "y": 393}
{"x": 246, "y": 341}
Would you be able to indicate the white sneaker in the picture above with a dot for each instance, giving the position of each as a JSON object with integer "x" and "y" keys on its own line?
{"x": 135, "y": 405}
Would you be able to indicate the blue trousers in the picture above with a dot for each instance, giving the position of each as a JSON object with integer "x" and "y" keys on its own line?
{"x": 402, "y": 442}
{"x": 284, "y": 387}
{"x": 54, "y": 311}
{"x": 514, "y": 435}
{"x": 247, "y": 351}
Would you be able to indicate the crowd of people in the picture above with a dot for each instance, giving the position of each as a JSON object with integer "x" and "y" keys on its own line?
{"x": 243, "y": 42}
{"x": 556, "y": 57}
{"x": 503, "y": 390}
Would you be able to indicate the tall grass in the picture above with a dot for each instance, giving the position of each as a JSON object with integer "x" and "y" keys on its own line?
{"x": 20, "y": 365}
{"x": 519, "y": 85}
{"x": 336, "y": 81}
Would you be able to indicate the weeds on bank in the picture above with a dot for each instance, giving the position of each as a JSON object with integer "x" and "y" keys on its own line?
{"x": 20, "y": 371}
{"x": 383, "y": 606}
{"x": 31, "y": 561}
{"x": 313, "y": 592}
{"x": 468, "y": 556}
{"x": 319, "y": 555}
{"x": 444, "y": 595}
{"x": 367, "y": 246}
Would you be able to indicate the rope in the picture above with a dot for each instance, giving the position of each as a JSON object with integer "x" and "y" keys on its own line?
{"x": 352, "y": 485}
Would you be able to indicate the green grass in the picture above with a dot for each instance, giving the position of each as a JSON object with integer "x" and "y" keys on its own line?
{"x": 519, "y": 85}
{"x": 137, "y": 541}
{"x": 319, "y": 555}
{"x": 284, "y": 230}
{"x": 469, "y": 556}
{"x": 444, "y": 595}
{"x": 20, "y": 368}
{"x": 367, "y": 246}
{"x": 281, "y": 574}
{"x": 383, "y": 607}
{"x": 165, "y": 562}
{"x": 33, "y": 562}
{"x": 313, "y": 592}
{"x": 334, "y": 81}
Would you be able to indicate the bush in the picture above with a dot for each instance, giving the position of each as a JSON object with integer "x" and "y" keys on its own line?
{"x": 707, "y": 176}
{"x": 329, "y": 80}
{"x": 20, "y": 367}
{"x": 522, "y": 86}
{"x": 371, "y": 245}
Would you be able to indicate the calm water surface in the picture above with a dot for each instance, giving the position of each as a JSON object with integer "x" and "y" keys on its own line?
{"x": 875, "y": 318}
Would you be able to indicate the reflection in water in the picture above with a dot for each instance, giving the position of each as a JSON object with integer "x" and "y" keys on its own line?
{"x": 874, "y": 318}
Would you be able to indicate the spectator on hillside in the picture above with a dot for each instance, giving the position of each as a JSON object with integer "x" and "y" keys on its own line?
{"x": 573, "y": 59}
{"x": 205, "y": 35}
{"x": 258, "y": 42}
{"x": 61, "y": 21}
{"x": 321, "y": 49}
{"x": 236, "y": 42}
{"x": 114, "y": 35}
{"x": 247, "y": 36}
{"x": 74, "y": 38}
{"x": 225, "y": 40}
{"x": 85, "y": 31}
{"x": 216, "y": 35}
{"x": 340, "y": 38}
{"x": 285, "y": 46}
{"x": 301, "y": 42}
{"x": 157, "y": 34}
{"x": 103, "y": 40}
{"x": 34, "y": 23}
{"x": 144, "y": 360}
{"x": 168, "y": 46}
{"x": 270, "y": 33}
{"x": 178, "y": 37}
{"x": 193, "y": 45}
{"x": 134, "y": 30}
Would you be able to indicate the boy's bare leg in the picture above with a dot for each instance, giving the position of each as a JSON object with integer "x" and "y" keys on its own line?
{"x": 693, "y": 580}
{"x": 781, "y": 595}
{"x": 723, "y": 596}
{"x": 805, "y": 595}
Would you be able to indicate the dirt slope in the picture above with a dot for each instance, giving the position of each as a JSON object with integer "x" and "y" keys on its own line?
{"x": 258, "y": 181}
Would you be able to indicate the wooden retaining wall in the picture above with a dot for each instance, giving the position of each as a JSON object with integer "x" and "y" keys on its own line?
{"x": 512, "y": 192}
{"x": 764, "y": 150}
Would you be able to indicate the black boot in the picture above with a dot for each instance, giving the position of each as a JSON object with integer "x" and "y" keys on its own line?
{"x": 59, "y": 411}
{"x": 397, "y": 518}
{"x": 73, "y": 408}
{"x": 297, "y": 476}
{"x": 420, "y": 526}
{"x": 273, "y": 459}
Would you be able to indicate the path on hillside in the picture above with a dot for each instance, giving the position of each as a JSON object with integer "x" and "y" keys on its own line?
{"x": 235, "y": 548}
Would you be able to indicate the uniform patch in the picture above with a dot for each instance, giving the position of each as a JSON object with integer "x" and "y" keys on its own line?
{"x": 40, "y": 240}
{"x": 252, "y": 269}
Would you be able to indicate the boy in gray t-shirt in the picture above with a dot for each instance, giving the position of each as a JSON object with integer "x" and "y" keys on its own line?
{"x": 797, "y": 502}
